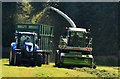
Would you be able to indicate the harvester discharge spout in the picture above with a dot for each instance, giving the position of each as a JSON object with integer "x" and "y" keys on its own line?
{"x": 63, "y": 15}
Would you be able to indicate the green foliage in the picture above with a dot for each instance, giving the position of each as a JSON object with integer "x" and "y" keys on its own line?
{"x": 24, "y": 10}
{"x": 36, "y": 18}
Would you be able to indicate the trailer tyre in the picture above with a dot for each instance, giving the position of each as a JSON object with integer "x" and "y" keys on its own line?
{"x": 48, "y": 59}
{"x": 39, "y": 59}
{"x": 11, "y": 60}
{"x": 17, "y": 59}
{"x": 56, "y": 60}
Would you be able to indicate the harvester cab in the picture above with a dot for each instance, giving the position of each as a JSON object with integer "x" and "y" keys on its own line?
{"x": 75, "y": 48}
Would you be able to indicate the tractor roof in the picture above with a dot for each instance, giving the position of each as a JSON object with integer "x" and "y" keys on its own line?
{"x": 78, "y": 29}
{"x": 26, "y": 33}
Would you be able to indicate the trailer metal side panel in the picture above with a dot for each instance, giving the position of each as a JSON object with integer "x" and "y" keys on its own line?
{"x": 46, "y": 35}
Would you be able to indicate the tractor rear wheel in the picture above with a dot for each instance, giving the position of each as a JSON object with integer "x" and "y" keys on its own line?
{"x": 17, "y": 59}
{"x": 11, "y": 60}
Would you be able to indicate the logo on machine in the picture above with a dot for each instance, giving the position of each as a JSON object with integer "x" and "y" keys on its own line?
{"x": 29, "y": 46}
{"x": 33, "y": 27}
{"x": 22, "y": 26}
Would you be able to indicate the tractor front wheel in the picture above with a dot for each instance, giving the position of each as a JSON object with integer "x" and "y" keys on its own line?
{"x": 38, "y": 59}
{"x": 17, "y": 59}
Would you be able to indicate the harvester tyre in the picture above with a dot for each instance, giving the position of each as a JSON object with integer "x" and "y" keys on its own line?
{"x": 17, "y": 59}
{"x": 94, "y": 66}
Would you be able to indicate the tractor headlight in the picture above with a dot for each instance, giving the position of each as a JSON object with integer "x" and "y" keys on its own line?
{"x": 62, "y": 54}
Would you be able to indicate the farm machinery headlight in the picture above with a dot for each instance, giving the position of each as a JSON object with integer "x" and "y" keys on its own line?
{"x": 62, "y": 54}
{"x": 90, "y": 56}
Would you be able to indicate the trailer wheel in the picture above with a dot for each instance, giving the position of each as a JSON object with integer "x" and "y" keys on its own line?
{"x": 57, "y": 60}
{"x": 11, "y": 60}
{"x": 38, "y": 59}
{"x": 48, "y": 59}
{"x": 17, "y": 59}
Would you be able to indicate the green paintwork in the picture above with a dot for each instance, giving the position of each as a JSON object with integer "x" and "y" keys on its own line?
{"x": 74, "y": 53}
{"x": 76, "y": 60}
{"x": 75, "y": 39}
{"x": 27, "y": 28}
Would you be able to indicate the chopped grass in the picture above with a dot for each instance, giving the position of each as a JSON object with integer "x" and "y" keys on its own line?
{"x": 51, "y": 71}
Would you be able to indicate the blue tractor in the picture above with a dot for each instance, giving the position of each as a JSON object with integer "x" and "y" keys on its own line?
{"x": 25, "y": 49}
{"x": 32, "y": 45}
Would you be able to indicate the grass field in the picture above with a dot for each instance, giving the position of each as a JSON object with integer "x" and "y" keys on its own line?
{"x": 51, "y": 71}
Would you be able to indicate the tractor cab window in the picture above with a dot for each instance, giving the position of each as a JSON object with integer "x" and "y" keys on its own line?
{"x": 76, "y": 39}
{"x": 26, "y": 38}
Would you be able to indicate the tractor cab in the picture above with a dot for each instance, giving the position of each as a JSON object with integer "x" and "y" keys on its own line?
{"x": 26, "y": 40}
{"x": 25, "y": 50}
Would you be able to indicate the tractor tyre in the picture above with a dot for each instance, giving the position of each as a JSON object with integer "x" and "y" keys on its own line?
{"x": 32, "y": 63}
{"x": 11, "y": 60}
{"x": 17, "y": 59}
{"x": 39, "y": 59}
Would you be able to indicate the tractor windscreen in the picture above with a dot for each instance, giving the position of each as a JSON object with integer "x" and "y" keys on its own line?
{"x": 77, "y": 39}
{"x": 26, "y": 38}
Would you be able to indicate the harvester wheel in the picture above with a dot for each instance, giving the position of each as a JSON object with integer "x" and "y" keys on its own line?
{"x": 94, "y": 66}
{"x": 38, "y": 59}
{"x": 17, "y": 59}
{"x": 11, "y": 60}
